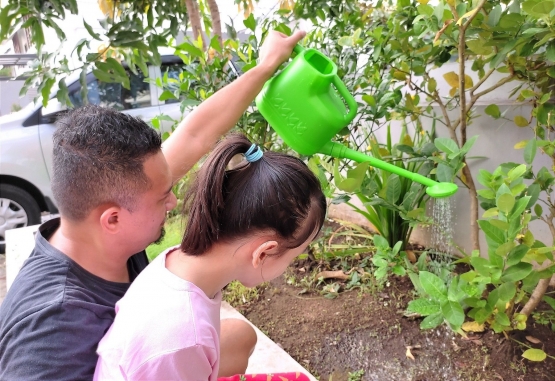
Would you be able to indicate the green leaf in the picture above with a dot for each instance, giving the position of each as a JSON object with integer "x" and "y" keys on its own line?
{"x": 538, "y": 210}
{"x": 89, "y": 29}
{"x": 549, "y": 300}
{"x": 62, "y": 93}
{"x": 369, "y": 99}
{"x": 520, "y": 121}
{"x": 505, "y": 202}
{"x": 432, "y": 321}
{"x": 433, "y": 285}
{"x": 502, "y": 319}
{"x": 494, "y": 16}
{"x": 453, "y": 313}
{"x": 516, "y": 272}
{"x": 486, "y": 193}
{"x": 167, "y": 95}
{"x": 534, "y": 354}
{"x": 481, "y": 265}
{"x": 393, "y": 190}
{"x": 492, "y": 212}
{"x": 46, "y": 89}
{"x": 522, "y": 204}
{"x": 444, "y": 173}
{"x": 516, "y": 255}
{"x": 250, "y": 22}
{"x": 543, "y": 8}
{"x": 423, "y": 307}
{"x": 380, "y": 242}
{"x": 507, "y": 291}
{"x": 191, "y": 49}
{"x": 432, "y": 85}
{"x": 446, "y": 145}
{"x": 468, "y": 145}
{"x": 530, "y": 151}
{"x": 516, "y": 172}
{"x": 493, "y": 232}
{"x": 482, "y": 314}
{"x": 493, "y": 111}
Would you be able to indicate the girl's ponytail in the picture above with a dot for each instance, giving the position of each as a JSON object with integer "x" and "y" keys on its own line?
{"x": 270, "y": 191}
{"x": 204, "y": 201}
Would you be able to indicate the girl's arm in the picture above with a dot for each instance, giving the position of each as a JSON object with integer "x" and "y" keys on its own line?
{"x": 198, "y": 132}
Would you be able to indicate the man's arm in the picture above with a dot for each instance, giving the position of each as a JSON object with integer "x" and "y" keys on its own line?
{"x": 198, "y": 132}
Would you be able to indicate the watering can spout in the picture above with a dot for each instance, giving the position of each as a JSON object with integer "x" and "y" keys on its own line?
{"x": 434, "y": 189}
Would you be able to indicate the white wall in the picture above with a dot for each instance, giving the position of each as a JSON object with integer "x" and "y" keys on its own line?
{"x": 495, "y": 142}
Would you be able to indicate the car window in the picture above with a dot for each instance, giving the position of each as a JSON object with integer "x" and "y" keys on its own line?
{"x": 114, "y": 95}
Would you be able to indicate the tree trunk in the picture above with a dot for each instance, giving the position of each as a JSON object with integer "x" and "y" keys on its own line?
{"x": 536, "y": 297}
{"x": 215, "y": 16}
{"x": 474, "y": 229}
{"x": 194, "y": 15}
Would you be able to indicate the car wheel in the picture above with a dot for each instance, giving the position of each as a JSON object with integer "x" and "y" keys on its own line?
{"x": 17, "y": 209}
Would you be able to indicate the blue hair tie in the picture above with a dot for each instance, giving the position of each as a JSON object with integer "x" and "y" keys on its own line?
{"x": 253, "y": 154}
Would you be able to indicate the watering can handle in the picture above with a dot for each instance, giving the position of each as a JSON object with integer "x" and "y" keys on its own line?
{"x": 298, "y": 49}
{"x": 344, "y": 92}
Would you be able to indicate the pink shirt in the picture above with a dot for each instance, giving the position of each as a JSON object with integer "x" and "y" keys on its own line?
{"x": 166, "y": 328}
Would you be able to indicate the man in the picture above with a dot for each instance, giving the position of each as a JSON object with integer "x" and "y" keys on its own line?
{"x": 112, "y": 180}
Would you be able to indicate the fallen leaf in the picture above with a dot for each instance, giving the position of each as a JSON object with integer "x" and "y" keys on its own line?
{"x": 409, "y": 354}
{"x": 332, "y": 274}
{"x": 532, "y": 339}
{"x": 472, "y": 326}
{"x": 410, "y": 255}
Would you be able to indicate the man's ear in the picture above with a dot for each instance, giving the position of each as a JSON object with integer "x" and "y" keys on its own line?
{"x": 262, "y": 251}
{"x": 110, "y": 219}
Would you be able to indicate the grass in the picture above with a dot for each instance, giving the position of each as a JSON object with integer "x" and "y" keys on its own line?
{"x": 174, "y": 234}
{"x": 238, "y": 295}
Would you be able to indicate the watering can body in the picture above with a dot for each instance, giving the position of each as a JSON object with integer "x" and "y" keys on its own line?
{"x": 307, "y": 104}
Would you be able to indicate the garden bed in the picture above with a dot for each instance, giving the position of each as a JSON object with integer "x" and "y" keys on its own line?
{"x": 366, "y": 331}
{"x": 345, "y": 330}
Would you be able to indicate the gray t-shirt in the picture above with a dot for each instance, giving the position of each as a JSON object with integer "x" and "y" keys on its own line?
{"x": 55, "y": 313}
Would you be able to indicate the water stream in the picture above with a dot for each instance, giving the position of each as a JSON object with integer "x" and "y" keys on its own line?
{"x": 441, "y": 237}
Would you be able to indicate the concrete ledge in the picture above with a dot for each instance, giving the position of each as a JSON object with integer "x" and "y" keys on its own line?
{"x": 267, "y": 357}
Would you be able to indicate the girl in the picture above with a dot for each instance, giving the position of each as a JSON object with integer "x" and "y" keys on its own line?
{"x": 245, "y": 223}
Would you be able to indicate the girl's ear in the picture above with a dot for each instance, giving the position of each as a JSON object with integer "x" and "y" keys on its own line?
{"x": 262, "y": 251}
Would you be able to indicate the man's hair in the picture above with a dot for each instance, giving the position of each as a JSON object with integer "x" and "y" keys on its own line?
{"x": 278, "y": 193}
{"x": 98, "y": 158}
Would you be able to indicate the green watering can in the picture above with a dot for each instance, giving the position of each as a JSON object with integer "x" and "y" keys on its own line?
{"x": 305, "y": 104}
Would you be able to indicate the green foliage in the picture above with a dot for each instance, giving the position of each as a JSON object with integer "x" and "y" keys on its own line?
{"x": 173, "y": 236}
{"x": 507, "y": 272}
{"x": 133, "y": 31}
{"x": 392, "y": 204}
{"x": 388, "y": 260}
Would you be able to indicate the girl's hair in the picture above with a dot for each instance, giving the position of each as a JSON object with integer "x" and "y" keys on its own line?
{"x": 276, "y": 193}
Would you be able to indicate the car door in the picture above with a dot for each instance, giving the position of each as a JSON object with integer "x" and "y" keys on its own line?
{"x": 137, "y": 101}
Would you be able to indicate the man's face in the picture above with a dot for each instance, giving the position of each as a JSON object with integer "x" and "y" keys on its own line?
{"x": 146, "y": 222}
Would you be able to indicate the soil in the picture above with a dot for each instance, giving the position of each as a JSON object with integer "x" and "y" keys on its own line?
{"x": 366, "y": 330}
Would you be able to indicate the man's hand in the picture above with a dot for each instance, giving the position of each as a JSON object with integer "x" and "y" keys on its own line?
{"x": 198, "y": 132}
{"x": 277, "y": 48}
